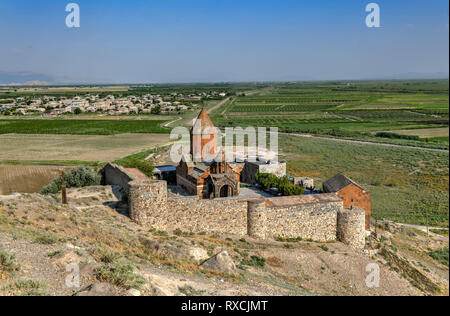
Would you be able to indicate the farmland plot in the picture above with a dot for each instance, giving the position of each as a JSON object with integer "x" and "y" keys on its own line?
{"x": 14, "y": 147}
{"x": 26, "y": 179}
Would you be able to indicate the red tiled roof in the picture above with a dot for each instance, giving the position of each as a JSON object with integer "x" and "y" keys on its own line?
{"x": 288, "y": 201}
{"x": 136, "y": 174}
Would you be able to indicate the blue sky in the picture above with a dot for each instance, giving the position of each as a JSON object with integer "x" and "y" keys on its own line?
{"x": 144, "y": 41}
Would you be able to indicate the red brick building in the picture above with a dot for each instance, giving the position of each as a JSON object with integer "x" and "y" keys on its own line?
{"x": 353, "y": 194}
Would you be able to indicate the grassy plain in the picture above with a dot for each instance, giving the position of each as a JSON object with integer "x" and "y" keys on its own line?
{"x": 89, "y": 148}
{"x": 407, "y": 185}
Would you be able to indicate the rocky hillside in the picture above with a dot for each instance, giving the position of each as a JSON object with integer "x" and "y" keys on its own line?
{"x": 43, "y": 245}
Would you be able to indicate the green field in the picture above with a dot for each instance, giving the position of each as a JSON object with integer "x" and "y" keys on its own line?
{"x": 352, "y": 110}
{"x": 81, "y": 127}
{"x": 407, "y": 185}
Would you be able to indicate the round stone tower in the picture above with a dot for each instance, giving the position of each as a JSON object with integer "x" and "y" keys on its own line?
{"x": 351, "y": 228}
{"x": 144, "y": 198}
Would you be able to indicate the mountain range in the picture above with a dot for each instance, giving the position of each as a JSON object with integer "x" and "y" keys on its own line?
{"x": 31, "y": 78}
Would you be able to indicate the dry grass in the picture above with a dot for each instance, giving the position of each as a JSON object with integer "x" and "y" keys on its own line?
{"x": 27, "y": 179}
{"x": 76, "y": 147}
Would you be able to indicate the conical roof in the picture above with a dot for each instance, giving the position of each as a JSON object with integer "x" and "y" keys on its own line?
{"x": 202, "y": 122}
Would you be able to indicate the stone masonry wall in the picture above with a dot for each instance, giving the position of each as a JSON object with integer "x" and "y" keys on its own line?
{"x": 256, "y": 219}
{"x": 189, "y": 214}
{"x": 251, "y": 169}
{"x": 307, "y": 221}
{"x": 351, "y": 227}
{"x": 308, "y": 217}
{"x": 145, "y": 199}
{"x": 117, "y": 175}
{"x": 278, "y": 169}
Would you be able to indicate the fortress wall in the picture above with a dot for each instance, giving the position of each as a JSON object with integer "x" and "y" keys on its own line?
{"x": 151, "y": 207}
{"x": 145, "y": 199}
{"x": 307, "y": 221}
{"x": 115, "y": 175}
{"x": 278, "y": 169}
{"x": 351, "y": 228}
{"x": 251, "y": 169}
{"x": 256, "y": 219}
{"x": 320, "y": 218}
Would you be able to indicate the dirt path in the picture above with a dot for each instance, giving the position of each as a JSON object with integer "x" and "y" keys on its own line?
{"x": 171, "y": 122}
{"x": 365, "y": 142}
{"x": 428, "y": 230}
{"x": 215, "y": 107}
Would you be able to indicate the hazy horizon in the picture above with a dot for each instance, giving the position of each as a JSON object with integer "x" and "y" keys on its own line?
{"x": 149, "y": 42}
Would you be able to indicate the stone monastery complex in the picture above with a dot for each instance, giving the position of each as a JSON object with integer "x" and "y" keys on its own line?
{"x": 212, "y": 201}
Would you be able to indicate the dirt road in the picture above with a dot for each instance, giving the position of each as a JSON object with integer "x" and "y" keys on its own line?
{"x": 215, "y": 107}
{"x": 365, "y": 142}
{"x": 171, "y": 122}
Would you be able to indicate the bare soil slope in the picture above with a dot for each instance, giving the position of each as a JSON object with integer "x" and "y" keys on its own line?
{"x": 44, "y": 236}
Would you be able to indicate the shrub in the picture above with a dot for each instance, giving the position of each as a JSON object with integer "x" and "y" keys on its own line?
{"x": 74, "y": 178}
{"x": 107, "y": 257}
{"x": 443, "y": 232}
{"x": 52, "y": 188}
{"x": 440, "y": 255}
{"x": 254, "y": 261}
{"x": 396, "y": 136}
{"x": 46, "y": 239}
{"x": 8, "y": 262}
{"x": 156, "y": 110}
{"x": 287, "y": 188}
{"x": 54, "y": 253}
{"x": 120, "y": 274}
{"x": 267, "y": 180}
{"x": 284, "y": 185}
{"x": 27, "y": 288}
{"x": 291, "y": 240}
{"x": 324, "y": 248}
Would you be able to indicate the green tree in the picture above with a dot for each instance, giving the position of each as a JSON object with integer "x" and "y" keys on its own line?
{"x": 284, "y": 185}
{"x": 156, "y": 110}
{"x": 75, "y": 178}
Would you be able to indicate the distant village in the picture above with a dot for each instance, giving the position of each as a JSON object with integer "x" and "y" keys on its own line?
{"x": 107, "y": 105}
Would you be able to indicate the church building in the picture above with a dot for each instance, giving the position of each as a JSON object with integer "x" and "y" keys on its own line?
{"x": 200, "y": 175}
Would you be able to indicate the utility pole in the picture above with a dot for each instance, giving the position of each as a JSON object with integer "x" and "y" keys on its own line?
{"x": 63, "y": 189}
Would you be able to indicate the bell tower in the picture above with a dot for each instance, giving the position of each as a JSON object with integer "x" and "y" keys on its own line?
{"x": 203, "y": 138}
